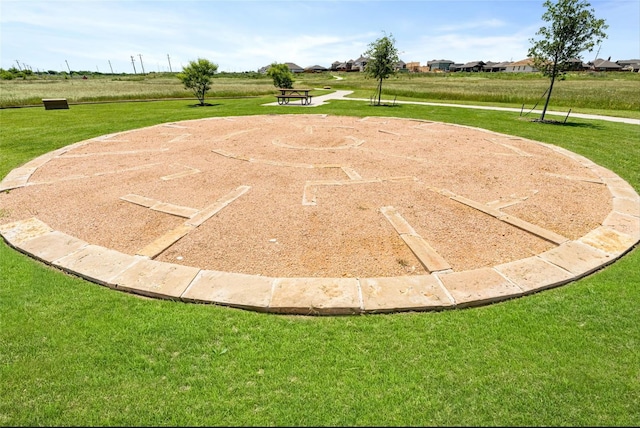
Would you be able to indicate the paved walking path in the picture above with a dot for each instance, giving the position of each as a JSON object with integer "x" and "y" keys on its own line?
{"x": 342, "y": 95}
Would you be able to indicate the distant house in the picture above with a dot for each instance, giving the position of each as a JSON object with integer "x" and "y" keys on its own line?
{"x": 494, "y": 67}
{"x": 629, "y": 64}
{"x": 440, "y": 64}
{"x": 522, "y": 66}
{"x": 294, "y": 68}
{"x": 413, "y": 66}
{"x": 576, "y": 65}
{"x": 343, "y": 66}
{"x": 471, "y": 67}
{"x": 604, "y": 65}
{"x": 359, "y": 64}
{"x": 315, "y": 69}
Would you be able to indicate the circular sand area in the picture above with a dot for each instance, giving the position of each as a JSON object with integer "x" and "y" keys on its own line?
{"x": 305, "y": 205}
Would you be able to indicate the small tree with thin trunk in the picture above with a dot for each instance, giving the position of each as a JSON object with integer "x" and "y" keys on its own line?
{"x": 281, "y": 75}
{"x": 197, "y": 77}
{"x": 383, "y": 59}
{"x": 573, "y": 29}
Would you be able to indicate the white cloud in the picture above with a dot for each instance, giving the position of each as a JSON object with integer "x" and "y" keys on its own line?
{"x": 241, "y": 35}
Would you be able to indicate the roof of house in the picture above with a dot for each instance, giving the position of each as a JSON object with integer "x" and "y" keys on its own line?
{"x": 604, "y": 63}
{"x": 526, "y": 61}
{"x": 491, "y": 64}
{"x": 294, "y": 67}
{"x": 440, "y": 61}
{"x": 628, "y": 61}
{"x": 473, "y": 64}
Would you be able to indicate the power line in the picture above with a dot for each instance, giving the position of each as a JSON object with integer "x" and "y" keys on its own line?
{"x": 141, "y": 64}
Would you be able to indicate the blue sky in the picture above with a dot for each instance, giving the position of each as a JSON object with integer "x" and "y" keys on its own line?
{"x": 238, "y": 35}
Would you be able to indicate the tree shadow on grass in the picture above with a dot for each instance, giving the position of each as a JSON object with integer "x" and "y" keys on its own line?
{"x": 384, "y": 105}
{"x": 203, "y": 105}
{"x": 568, "y": 124}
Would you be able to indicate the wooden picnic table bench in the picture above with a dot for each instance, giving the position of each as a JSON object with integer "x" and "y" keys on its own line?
{"x": 55, "y": 103}
{"x": 287, "y": 94}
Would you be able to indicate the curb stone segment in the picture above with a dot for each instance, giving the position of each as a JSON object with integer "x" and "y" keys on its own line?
{"x": 626, "y": 206}
{"x": 18, "y": 232}
{"x": 620, "y": 190}
{"x": 627, "y": 224}
{"x": 578, "y": 258}
{"x": 89, "y": 263}
{"x": 534, "y": 274}
{"x": 155, "y": 279}
{"x": 608, "y": 240}
{"x": 310, "y": 296}
{"x": 52, "y": 246}
{"x": 16, "y": 178}
{"x": 478, "y": 286}
{"x": 230, "y": 289}
{"x": 393, "y": 294}
{"x": 19, "y": 177}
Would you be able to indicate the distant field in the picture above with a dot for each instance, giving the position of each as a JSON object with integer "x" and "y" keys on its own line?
{"x": 114, "y": 88}
{"x": 604, "y": 93}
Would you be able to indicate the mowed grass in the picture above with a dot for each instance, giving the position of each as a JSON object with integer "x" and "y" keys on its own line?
{"x": 76, "y": 353}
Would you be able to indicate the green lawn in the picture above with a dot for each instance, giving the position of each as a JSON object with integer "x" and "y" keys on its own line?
{"x": 76, "y": 353}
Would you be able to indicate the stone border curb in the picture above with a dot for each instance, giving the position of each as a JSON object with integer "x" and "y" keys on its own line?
{"x": 324, "y": 296}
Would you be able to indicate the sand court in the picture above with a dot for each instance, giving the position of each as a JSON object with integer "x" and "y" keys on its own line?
{"x": 320, "y": 214}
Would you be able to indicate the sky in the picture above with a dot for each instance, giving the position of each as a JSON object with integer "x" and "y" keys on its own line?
{"x": 128, "y": 36}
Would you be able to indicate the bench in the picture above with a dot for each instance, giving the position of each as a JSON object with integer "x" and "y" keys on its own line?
{"x": 297, "y": 94}
{"x": 55, "y": 103}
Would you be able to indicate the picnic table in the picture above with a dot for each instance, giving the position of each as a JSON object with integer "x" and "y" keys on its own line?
{"x": 287, "y": 94}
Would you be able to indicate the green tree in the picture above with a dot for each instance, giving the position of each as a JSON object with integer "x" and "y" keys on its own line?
{"x": 197, "y": 77}
{"x": 572, "y": 29}
{"x": 281, "y": 75}
{"x": 383, "y": 59}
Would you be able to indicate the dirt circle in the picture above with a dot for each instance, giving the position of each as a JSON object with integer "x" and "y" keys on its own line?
{"x": 315, "y": 191}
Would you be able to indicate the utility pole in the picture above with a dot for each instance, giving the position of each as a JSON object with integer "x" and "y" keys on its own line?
{"x": 141, "y": 64}
{"x": 133, "y": 62}
{"x": 169, "y": 59}
{"x": 68, "y": 68}
{"x": 110, "y": 66}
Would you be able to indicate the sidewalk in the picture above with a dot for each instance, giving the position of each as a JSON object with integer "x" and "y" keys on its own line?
{"x": 342, "y": 95}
